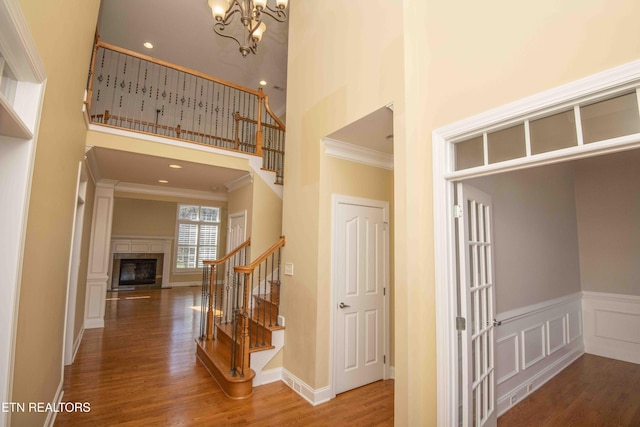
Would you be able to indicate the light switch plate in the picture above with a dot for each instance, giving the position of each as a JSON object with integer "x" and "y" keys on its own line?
{"x": 288, "y": 268}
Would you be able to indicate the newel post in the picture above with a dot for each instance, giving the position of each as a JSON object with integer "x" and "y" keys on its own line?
{"x": 245, "y": 324}
{"x": 210, "y": 308}
{"x": 261, "y": 96}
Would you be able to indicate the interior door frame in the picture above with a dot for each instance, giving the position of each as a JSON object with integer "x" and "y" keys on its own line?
{"x": 607, "y": 82}
{"x": 336, "y": 200}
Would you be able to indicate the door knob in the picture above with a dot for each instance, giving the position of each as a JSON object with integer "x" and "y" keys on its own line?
{"x": 497, "y": 322}
{"x": 343, "y": 305}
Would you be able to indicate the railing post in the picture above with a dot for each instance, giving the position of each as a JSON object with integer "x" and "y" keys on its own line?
{"x": 235, "y": 137}
{"x": 245, "y": 342}
{"x": 106, "y": 117}
{"x": 259, "y": 124}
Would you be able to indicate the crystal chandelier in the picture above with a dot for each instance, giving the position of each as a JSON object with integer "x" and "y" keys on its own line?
{"x": 251, "y": 28}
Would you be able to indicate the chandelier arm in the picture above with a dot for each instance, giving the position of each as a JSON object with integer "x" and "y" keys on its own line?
{"x": 228, "y": 17}
{"x": 219, "y": 32}
{"x": 278, "y": 14}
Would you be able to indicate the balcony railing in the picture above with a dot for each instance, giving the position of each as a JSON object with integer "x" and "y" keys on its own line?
{"x": 143, "y": 94}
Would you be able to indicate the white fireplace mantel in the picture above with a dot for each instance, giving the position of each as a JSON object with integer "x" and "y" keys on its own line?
{"x": 139, "y": 244}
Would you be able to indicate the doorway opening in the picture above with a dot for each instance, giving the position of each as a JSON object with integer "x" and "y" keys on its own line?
{"x": 478, "y": 147}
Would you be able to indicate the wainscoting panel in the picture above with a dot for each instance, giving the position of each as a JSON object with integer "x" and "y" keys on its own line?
{"x": 533, "y": 344}
{"x": 612, "y": 325}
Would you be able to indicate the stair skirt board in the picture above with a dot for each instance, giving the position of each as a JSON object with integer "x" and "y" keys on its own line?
{"x": 260, "y": 359}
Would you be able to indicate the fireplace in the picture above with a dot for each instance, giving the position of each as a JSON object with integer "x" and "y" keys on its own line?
{"x": 138, "y": 271}
{"x": 132, "y": 271}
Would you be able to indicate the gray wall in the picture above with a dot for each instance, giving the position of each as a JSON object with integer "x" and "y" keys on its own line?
{"x": 535, "y": 235}
{"x": 608, "y": 215}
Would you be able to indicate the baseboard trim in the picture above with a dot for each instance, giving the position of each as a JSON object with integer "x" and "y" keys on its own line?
{"x": 183, "y": 284}
{"x": 271, "y": 376}
{"x": 76, "y": 344}
{"x": 93, "y": 323}
{"x": 520, "y": 392}
{"x": 392, "y": 373}
{"x": 314, "y": 397}
{"x": 57, "y": 399}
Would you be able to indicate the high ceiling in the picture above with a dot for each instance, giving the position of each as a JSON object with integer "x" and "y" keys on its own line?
{"x": 181, "y": 32}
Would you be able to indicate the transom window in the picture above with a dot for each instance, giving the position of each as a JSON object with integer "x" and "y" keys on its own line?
{"x": 197, "y": 235}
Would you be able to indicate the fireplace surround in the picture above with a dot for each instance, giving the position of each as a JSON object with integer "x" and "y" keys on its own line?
{"x": 139, "y": 263}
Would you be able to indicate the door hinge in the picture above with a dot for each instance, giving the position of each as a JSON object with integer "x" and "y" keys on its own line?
{"x": 384, "y": 358}
{"x": 461, "y": 323}
{"x": 457, "y": 211}
{"x": 384, "y": 291}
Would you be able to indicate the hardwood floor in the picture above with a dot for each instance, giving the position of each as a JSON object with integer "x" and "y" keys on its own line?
{"x": 141, "y": 370}
{"x": 592, "y": 391}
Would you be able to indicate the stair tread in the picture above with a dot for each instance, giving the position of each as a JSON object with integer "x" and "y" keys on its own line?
{"x": 212, "y": 350}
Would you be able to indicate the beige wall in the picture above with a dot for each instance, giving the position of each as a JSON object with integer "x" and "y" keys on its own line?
{"x": 334, "y": 78}
{"x": 535, "y": 235}
{"x": 266, "y": 217}
{"x": 608, "y": 208}
{"x": 352, "y": 179}
{"x": 63, "y": 34}
{"x": 438, "y": 63}
{"x": 463, "y": 61}
{"x": 155, "y": 216}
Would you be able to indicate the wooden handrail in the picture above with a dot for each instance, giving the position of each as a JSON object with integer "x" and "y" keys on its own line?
{"x": 174, "y": 66}
{"x": 266, "y": 106}
{"x": 229, "y": 255}
{"x": 247, "y": 269}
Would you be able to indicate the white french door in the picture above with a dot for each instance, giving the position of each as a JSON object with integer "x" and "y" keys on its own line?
{"x": 477, "y": 306}
{"x": 361, "y": 276}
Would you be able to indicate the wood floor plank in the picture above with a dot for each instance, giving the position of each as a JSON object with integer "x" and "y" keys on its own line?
{"x": 141, "y": 370}
{"x": 592, "y": 391}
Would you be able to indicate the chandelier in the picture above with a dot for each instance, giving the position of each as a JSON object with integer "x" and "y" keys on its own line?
{"x": 250, "y": 12}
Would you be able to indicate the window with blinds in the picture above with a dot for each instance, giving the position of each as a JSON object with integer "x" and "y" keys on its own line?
{"x": 197, "y": 236}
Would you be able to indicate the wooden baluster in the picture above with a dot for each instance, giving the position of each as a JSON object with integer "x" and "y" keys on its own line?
{"x": 106, "y": 117}
{"x": 178, "y": 131}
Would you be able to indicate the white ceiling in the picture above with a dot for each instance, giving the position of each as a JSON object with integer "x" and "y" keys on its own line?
{"x": 182, "y": 33}
{"x": 143, "y": 169}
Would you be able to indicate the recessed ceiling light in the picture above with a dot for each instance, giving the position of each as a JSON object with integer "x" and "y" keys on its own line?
{"x": 175, "y": 166}
{"x": 163, "y": 181}
{"x": 148, "y": 45}
{"x": 263, "y": 82}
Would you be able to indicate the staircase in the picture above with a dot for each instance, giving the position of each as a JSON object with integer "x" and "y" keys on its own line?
{"x": 239, "y": 330}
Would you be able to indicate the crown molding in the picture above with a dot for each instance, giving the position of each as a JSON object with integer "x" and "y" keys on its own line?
{"x": 239, "y": 182}
{"x": 128, "y": 187}
{"x": 358, "y": 154}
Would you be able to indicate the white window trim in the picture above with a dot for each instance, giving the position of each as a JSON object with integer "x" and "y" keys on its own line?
{"x": 174, "y": 264}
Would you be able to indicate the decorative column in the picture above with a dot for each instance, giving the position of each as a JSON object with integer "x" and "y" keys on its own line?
{"x": 99, "y": 255}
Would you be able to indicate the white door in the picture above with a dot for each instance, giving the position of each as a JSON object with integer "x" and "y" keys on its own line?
{"x": 477, "y": 307}
{"x": 361, "y": 276}
{"x": 237, "y": 230}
